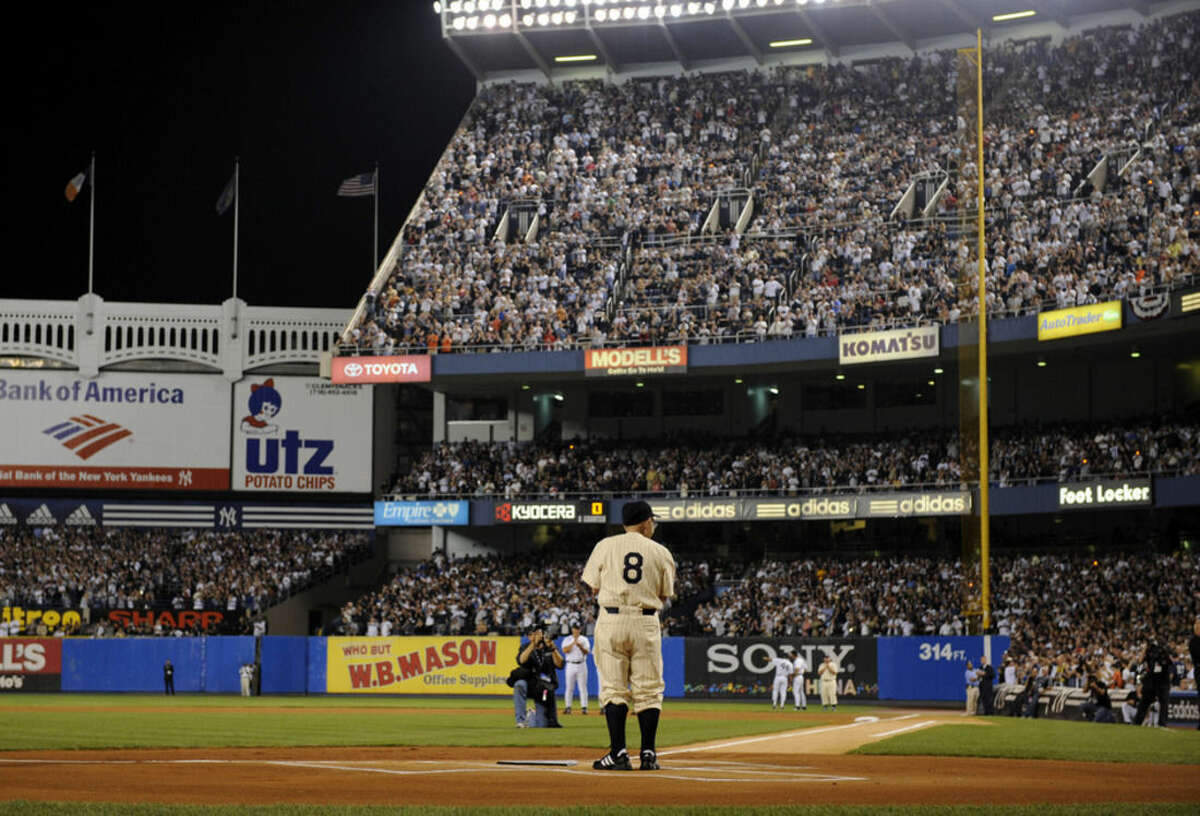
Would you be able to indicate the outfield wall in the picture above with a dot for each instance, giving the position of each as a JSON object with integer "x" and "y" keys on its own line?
{"x": 733, "y": 668}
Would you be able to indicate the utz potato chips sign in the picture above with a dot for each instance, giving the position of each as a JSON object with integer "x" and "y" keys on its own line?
{"x": 419, "y": 665}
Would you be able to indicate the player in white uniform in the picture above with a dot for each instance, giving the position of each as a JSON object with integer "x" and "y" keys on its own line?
{"x": 799, "y": 668}
{"x": 576, "y": 648}
{"x": 633, "y": 576}
{"x": 783, "y": 673}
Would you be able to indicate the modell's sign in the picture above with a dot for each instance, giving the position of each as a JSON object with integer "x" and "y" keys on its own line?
{"x": 635, "y": 361}
{"x": 883, "y": 346}
{"x": 411, "y": 368}
{"x": 30, "y": 664}
{"x": 1099, "y": 495}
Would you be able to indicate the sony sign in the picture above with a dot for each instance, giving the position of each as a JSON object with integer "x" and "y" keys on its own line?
{"x": 723, "y": 658}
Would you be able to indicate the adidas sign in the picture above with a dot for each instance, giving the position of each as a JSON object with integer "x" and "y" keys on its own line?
{"x": 42, "y": 517}
{"x": 6, "y": 515}
{"x": 80, "y": 517}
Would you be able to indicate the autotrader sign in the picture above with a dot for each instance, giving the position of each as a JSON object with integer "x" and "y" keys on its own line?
{"x": 883, "y": 346}
{"x": 422, "y": 513}
{"x": 612, "y": 362}
{"x": 411, "y": 368}
{"x": 1105, "y": 494}
{"x": 1098, "y": 317}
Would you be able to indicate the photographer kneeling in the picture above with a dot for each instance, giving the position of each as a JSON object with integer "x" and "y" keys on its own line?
{"x": 535, "y": 677}
{"x": 1099, "y": 708}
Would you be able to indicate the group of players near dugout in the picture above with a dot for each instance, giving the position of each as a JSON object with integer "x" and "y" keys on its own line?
{"x": 632, "y": 577}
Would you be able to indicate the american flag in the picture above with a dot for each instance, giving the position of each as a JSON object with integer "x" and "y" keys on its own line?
{"x": 355, "y": 186}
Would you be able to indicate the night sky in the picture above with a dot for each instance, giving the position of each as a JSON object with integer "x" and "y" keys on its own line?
{"x": 306, "y": 93}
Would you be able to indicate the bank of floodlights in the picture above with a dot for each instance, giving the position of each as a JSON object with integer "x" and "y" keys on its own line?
{"x": 481, "y": 16}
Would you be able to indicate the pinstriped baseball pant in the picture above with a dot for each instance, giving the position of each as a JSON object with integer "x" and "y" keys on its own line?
{"x": 629, "y": 660}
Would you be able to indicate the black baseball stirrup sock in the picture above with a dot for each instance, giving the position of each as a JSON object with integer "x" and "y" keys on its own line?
{"x": 614, "y": 716}
{"x": 648, "y": 722}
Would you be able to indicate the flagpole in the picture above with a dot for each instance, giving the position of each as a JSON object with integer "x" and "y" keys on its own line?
{"x": 92, "y": 225}
{"x": 237, "y": 194}
{"x": 375, "y": 237}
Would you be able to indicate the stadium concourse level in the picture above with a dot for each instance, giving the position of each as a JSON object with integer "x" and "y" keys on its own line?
{"x": 238, "y": 573}
{"x": 1062, "y": 612}
{"x": 787, "y": 465}
{"x": 622, "y": 176}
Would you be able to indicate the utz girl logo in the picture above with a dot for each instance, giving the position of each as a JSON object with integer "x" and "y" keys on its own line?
{"x": 265, "y": 404}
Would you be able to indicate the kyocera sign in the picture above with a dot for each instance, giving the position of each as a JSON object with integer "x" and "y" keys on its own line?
{"x": 411, "y": 368}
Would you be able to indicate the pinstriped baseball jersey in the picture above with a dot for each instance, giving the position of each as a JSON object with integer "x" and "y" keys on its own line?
{"x": 631, "y": 570}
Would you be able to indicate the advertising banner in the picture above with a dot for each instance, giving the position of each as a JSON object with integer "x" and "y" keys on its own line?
{"x": 905, "y": 505}
{"x": 30, "y": 664}
{"x": 696, "y": 509}
{"x": 885, "y": 346}
{"x": 553, "y": 512}
{"x": 1097, "y": 317}
{"x": 1105, "y": 494}
{"x": 931, "y": 668}
{"x": 48, "y": 620}
{"x": 811, "y": 509}
{"x": 616, "y": 362}
{"x": 422, "y": 513}
{"x": 359, "y": 370}
{"x": 117, "y": 432}
{"x": 420, "y": 665}
{"x": 302, "y": 434}
{"x": 1187, "y": 302}
{"x": 741, "y": 667}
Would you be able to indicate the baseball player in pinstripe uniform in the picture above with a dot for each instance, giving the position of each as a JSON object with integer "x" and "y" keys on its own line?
{"x": 632, "y": 576}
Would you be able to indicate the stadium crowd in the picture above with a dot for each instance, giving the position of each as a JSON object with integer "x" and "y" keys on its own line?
{"x": 1069, "y": 617}
{"x": 621, "y": 178}
{"x": 509, "y": 596}
{"x": 787, "y": 465}
{"x": 238, "y": 573}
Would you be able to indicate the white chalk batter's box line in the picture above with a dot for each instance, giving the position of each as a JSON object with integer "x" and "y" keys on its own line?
{"x": 716, "y": 771}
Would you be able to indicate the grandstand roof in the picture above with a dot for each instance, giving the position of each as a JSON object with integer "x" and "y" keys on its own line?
{"x": 689, "y": 35}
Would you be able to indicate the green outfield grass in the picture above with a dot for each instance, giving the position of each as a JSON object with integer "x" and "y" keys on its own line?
{"x": 1015, "y": 738}
{"x": 70, "y": 809}
{"x": 65, "y": 722}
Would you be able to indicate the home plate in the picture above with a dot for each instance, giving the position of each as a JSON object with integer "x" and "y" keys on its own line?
{"x": 866, "y": 719}
{"x": 562, "y": 763}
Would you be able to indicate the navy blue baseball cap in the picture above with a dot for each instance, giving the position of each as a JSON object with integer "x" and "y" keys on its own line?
{"x": 635, "y": 513}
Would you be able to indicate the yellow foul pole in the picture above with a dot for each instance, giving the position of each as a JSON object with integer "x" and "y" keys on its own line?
{"x": 984, "y": 519}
